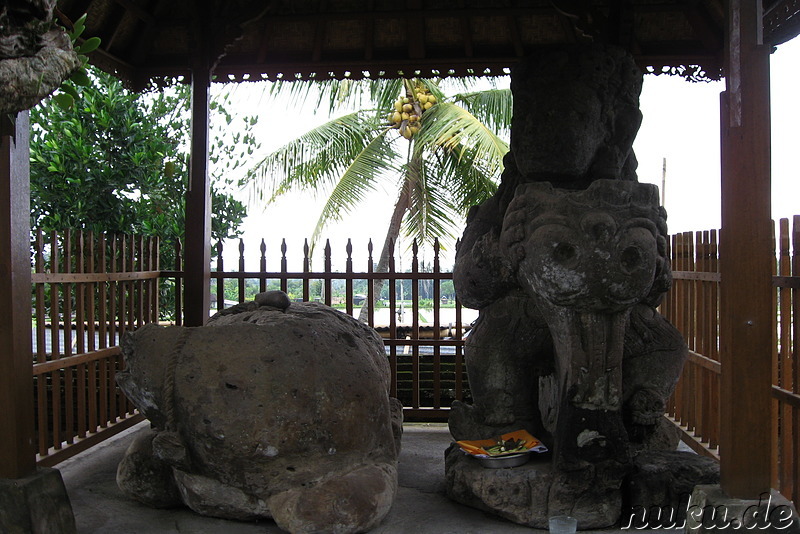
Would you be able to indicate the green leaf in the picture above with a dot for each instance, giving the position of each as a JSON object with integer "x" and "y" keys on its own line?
{"x": 70, "y": 90}
{"x": 78, "y": 28}
{"x": 79, "y": 77}
{"x": 89, "y": 45}
{"x": 64, "y": 101}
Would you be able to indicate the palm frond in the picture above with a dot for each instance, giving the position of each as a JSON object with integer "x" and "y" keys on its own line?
{"x": 431, "y": 213}
{"x": 451, "y": 128}
{"x": 466, "y": 182}
{"x": 383, "y": 93}
{"x": 468, "y": 84}
{"x": 372, "y": 164}
{"x": 493, "y": 107}
{"x": 313, "y": 161}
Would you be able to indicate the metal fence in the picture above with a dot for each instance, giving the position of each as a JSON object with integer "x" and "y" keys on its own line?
{"x": 420, "y": 320}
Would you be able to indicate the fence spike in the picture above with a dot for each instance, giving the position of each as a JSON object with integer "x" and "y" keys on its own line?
{"x": 283, "y": 248}
{"x": 178, "y": 254}
{"x": 262, "y": 265}
{"x": 349, "y": 248}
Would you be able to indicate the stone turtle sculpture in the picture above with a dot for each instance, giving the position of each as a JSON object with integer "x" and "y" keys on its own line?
{"x": 275, "y": 411}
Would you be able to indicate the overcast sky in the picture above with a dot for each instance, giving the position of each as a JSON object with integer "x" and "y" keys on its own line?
{"x": 681, "y": 124}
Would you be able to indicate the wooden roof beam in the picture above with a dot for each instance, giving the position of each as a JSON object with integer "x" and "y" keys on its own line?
{"x": 137, "y": 10}
{"x": 516, "y": 38}
{"x": 118, "y": 13}
{"x": 369, "y": 34}
{"x": 620, "y": 24}
{"x": 145, "y": 41}
{"x": 782, "y": 21}
{"x": 415, "y": 29}
{"x": 319, "y": 35}
{"x": 706, "y": 30}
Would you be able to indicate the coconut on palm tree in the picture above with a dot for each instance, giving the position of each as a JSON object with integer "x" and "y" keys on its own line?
{"x": 442, "y": 154}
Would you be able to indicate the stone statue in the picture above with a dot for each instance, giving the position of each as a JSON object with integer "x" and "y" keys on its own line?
{"x": 272, "y": 410}
{"x": 567, "y": 263}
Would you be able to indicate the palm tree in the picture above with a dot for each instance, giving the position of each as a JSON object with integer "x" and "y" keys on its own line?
{"x": 441, "y": 154}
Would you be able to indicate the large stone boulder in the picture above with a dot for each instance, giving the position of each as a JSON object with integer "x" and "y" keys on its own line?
{"x": 271, "y": 410}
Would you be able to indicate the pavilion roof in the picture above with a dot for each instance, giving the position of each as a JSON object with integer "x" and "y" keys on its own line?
{"x": 322, "y": 39}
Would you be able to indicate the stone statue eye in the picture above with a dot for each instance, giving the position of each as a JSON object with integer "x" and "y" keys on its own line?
{"x": 565, "y": 253}
{"x": 631, "y": 258}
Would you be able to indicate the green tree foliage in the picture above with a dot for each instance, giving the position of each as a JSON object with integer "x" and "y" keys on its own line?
{"x": 117, "y": 162}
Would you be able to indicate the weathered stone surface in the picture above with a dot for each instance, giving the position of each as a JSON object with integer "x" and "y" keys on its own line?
{"x": 567, "y": 263}
{"x": 656, "y": 493}
{"x": 34, "y": 57}
{"x": 338, "y": 503}
{"x": 576, "y": 114}
{"x": 272, "y": 405}
{"x": 531, "y": 493}
{"x": 712, "y": 510}
{"x": 148, "y": 479}
{"x": 36, "y": 504}
{"x": 207, "y": 496}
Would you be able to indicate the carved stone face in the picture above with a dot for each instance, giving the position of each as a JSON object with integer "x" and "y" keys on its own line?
{"x": 593, "y": 262}
{"x": 585, "y": 250}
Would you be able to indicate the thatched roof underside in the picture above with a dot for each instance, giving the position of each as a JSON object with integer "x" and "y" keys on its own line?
{"x": 318, "y": 39}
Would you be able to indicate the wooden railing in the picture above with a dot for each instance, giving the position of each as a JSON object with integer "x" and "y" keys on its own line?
{"x": 426, "y": 356}
{"x": 88, "y": 291}
{"x": 693, "y": 307}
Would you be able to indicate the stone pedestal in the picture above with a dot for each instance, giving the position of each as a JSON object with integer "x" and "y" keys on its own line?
{"x": 657, "y": 493}
{"x": 36, "y": 504}
{"x": 531, "y": 493}
{"x": 711, "y": 510}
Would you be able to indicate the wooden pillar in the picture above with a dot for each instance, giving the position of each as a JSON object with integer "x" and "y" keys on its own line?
{"x": 17, "y": 453}
{"x": 197, "y": 242}
{"x": 746, "y": 257}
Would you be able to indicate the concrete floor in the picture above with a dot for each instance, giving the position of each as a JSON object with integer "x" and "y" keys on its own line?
{"x": 421, "y": 506}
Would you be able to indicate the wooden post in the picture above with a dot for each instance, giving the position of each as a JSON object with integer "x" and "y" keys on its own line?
{"x": 17, "y": 452}
{"x": 746, "y": 257}
{"x": 197, "y": 242}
